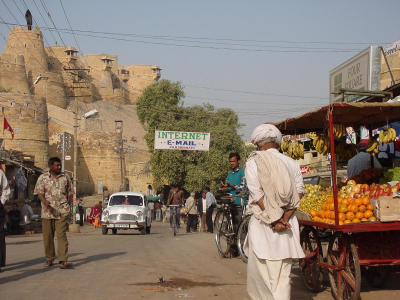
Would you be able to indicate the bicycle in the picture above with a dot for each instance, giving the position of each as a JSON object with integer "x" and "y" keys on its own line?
{"x": 225, "y": 235}
{"x": 174, "y": 219}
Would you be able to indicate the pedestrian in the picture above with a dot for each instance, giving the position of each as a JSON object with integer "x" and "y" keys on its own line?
{"x": 81, "y": 212}
{"x": 5, "y": 194}
{"x": 275, "y": 186}
{"x": 164, "y": 213}
{"x": 157, "y": 208}
{"x": 211, "y": 203}
{"x": 14, "y": 218}
{"x": 191, "y": 212}
{"x": 54, "y": 191}
{"x": 202, "y": 209}
{"x": 150, "y": 205}
{"x": 95, "y": 214}
{"x": 26, "y": 216}
{"x": 175, "y": 198}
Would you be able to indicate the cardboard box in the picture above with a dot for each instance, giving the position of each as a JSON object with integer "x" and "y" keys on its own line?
{"x": 388, "y": 209}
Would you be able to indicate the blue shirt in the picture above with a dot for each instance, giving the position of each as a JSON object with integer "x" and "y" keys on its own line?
{"x": 235, "y": 178}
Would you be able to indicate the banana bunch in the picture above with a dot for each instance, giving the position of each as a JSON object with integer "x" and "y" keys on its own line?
{"x": 373, "y": 147}
{"x": 387, "y": 135}
{"x": 295, "y": 150}
{"x": 339, "y": 131}
{"x": 311, "y": 135}
{"x": 321, "y": 144}
{"x": 345, "y": 151}
{"x": 285, "y": 146}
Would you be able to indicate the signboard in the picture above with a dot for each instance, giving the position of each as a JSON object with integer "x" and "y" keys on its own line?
{"x": 392, "y": 49}
{"x": 67, "y": 157}
{"x": 181, "y": 140}
{"x": 361, "y": 72}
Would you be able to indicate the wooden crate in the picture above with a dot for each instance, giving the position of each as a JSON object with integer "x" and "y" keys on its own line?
{"x": 388, "y": 209}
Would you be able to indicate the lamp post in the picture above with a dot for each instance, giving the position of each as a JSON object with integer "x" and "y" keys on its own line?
{"x": 119, "y": 129}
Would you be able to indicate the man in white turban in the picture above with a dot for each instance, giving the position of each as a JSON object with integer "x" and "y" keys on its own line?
{"x": 275, "y": 187}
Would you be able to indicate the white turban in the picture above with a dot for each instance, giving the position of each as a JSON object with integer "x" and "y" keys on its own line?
{"x": 264, "y": 132}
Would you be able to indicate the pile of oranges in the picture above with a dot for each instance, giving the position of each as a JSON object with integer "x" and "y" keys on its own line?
{"x": 349, "y": 210}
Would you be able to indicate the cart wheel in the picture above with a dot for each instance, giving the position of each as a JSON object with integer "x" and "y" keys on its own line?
{"x": 311, "y": 245}
{"x": 345, "y": 282}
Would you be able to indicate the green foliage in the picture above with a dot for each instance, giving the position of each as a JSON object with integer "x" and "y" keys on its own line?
{"x": 3, "y": 90}
{"x": 160, "y": 107}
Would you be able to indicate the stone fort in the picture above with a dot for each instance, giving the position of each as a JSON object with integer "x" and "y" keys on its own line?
{"x": 38, "y": 89}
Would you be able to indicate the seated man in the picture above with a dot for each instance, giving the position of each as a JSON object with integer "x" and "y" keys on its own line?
{"x": 14, "y": 218}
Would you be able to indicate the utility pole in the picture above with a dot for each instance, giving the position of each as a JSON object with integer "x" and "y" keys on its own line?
{"x": 75, "y": 157}
{"x": 119, "y": 129}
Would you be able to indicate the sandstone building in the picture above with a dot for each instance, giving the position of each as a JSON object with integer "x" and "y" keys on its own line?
{"x": 38, "y": 89}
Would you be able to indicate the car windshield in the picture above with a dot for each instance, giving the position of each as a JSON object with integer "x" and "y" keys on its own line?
{"x": 126, "y": 200}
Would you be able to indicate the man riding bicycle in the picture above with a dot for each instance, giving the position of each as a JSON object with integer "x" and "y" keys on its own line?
{"x": 175, "y": 199}
{"x": 233, "y": 185}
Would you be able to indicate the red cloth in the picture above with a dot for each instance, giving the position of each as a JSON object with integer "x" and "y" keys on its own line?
{"x": 6, "y": 126}
{"x": 94, "y": 213}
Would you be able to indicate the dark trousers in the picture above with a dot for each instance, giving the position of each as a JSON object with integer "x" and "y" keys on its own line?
{"x": 2, "y": 237}
{"x": 178, "y": 216}
{"x": 236, "y": 216}
{"x": 191, "y": 223}
{"x": 209, "y": 222}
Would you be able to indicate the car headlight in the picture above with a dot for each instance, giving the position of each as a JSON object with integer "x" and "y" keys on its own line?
{"x": 104, "y": 216}
{"x": 139, "y": 214}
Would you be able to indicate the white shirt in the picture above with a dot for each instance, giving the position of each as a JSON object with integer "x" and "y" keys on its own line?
{"x": 266, "y": 243}
{"x": 204, "y": 204}
{"x": 359, "y": 163}
{"x": 210, "y": 199}
{"x": 5, "y": 188}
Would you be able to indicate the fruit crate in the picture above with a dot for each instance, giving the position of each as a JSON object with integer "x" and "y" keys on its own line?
{"x": 388, "y": 209}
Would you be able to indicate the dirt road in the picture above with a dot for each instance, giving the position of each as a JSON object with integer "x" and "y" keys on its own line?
{"x": 132, "y": 266}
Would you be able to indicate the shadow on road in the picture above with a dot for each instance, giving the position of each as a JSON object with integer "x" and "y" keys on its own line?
{"x": 24, "y": 242}
{"x": 40, "y": 260}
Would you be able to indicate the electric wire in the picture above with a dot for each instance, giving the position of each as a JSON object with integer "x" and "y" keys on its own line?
{"x": 69, "y": 24}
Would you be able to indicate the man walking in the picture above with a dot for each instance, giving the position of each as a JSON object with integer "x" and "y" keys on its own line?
{"x": 191, "y": 211}
{"x": 175, "y": 198}
{"x": 275, "y": 186}
{"x": 202, "y": 210}
{"x": 54, "y": 191}
{"x": 5, "y": 194}
{"x": 211, "y": 203}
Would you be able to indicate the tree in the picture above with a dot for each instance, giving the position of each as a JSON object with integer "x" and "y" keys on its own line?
{"x": 160, "y": 107}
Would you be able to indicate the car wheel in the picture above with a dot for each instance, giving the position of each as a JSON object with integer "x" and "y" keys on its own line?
{"x": 104, "y": 230}
{"x": 148, "y": 229}
{"x": 114, "y": 231}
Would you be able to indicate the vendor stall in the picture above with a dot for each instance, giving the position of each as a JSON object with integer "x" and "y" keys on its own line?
{"x": 363, "y": 235}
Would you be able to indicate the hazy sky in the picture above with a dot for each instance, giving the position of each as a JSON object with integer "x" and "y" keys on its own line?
{"x": 267, "y": 60}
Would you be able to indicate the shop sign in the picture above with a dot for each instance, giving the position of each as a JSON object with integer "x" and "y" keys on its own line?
{"x": 361, "y": 72}
{"x": 392, "y": 49}
{"x": 181, "y": 140}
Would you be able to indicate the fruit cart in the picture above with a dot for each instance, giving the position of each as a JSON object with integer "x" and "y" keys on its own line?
{"x": 372, "y": 245}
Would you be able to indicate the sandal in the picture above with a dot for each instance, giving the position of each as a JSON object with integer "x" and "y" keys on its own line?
{"x": 49, "y": 263}
{"x": 65, "y": 265}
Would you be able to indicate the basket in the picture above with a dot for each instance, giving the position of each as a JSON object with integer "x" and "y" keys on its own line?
{"x": 302, "y": 215}
{"x": 387, "y": 209}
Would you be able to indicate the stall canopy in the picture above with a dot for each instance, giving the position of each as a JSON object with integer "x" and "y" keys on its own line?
{"x": 372, "y": 115}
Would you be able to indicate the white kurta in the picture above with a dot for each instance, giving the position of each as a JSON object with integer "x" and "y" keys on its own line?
{"x": 266, "y": 243}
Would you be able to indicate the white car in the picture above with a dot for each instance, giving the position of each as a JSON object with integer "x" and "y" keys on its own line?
{"x": 126, "y": 210}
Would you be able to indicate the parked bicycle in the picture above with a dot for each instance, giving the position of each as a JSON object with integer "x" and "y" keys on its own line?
{"x": 226, "y": 236}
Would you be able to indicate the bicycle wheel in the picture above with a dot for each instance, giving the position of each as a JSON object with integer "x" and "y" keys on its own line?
{"x": 218, "y": 219}
{"x": 225, "y": 236}
{"x": 174, "y": 228}
{"x": 241, "y": 236}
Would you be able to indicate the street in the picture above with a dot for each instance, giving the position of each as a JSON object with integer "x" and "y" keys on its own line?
{"x": 130, "y": 266}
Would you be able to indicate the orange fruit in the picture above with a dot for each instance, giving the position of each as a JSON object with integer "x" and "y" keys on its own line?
{"x": 331, "y": 215}
{"x": 346, "y": 201}
{"x": 324, "y": 206}
{"x": 316, "y": 218}
{"x": 331, "y": 207}
{"x": 364, "y": 220}
{"x": 368, "y": 214}
{"x": 359, "y": 215}
{"x": 349, "y": 215}
{"x": 370, "y": 207}
{"x": 321, "y": 213}
{"x": 358, "y": 202}
{"x": 347, "y": 222}
{"x": 341, "y": 222}
{"x": 372, "y": 219}
{"x": 342, "y": 216}
{"x": 362, "y": 208}
{"x": 329, "y": 200}
{"x": 355, "y": 220}
{"x": 313, "y": 213}
{"x": 342, "y": 208}
{"x": 365, "y": 200}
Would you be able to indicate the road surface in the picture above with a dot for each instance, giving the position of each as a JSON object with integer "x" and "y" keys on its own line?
{"x": 131, "y": 266}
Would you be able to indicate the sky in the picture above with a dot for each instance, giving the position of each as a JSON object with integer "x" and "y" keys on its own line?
{"x": 266, "y": 60}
